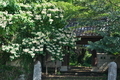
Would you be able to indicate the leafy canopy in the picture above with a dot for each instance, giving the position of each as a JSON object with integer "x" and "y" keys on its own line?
{"x": 105, "y": 15}
{"x": 34, "y": 28}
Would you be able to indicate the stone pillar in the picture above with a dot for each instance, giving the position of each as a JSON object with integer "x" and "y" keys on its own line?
{"x": 37, "y": 71}
{"x": 112, "y": 71}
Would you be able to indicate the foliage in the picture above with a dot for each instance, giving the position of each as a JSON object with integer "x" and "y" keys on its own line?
{"x": 104, "y": 15}
{"x": 81, "y": 57}
{"x": 87, "y": 59}
{"x": 32, "y": 26}
{"x": 70, "y": 10}
{"x": 9, "y": 72}
{"x": 109, "y": 29}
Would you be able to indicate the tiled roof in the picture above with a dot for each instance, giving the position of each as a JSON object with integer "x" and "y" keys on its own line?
{"x": 86, "y": 30}
{"x": 82, "y": 31}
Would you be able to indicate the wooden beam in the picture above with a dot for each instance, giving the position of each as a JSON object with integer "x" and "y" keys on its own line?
{"x": 85, "y": 39}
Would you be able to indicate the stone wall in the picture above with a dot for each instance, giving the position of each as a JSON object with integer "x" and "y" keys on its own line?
{"x": 103, "y": 59}
{"x": 50, "y": 63}
{"x": 118, "y": 62}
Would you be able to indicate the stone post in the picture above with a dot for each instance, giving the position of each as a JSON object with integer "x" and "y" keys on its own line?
{"x": 37, "y": 71}
{"x": 112, "y": 71}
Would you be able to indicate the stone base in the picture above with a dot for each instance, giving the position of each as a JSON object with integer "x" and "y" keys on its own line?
{"x": 64, "y": 68}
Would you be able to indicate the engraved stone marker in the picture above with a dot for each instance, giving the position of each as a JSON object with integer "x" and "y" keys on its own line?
{"x": 112, "y": 71}
{"x": 37, "y": 71}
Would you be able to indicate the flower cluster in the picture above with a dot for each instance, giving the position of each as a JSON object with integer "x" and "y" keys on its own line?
{"x": 55, "y": 51}
{"x": 14, "y": 49}
{"x": 32, "y": 46}
{"x": 3, "y": 4}
{"x": 5, "y": 19}
{"x": 48, "y": 12}
{"x": 58, "y": 40}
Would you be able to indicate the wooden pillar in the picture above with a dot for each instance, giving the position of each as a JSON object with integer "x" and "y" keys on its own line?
{"x": 65, "y": 63}
{"x": 94, "y": 58}
{"x": 65, "y": 60}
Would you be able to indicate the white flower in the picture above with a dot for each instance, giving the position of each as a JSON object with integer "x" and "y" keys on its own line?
{"x": 61, "y": 58}
{"x": 38, "y": 33}
{"x": 16, "y": 55}
{"x": 12, "y": 57}
{"x": 59, "y": 50}
{"x": 34, "y": 41}
{"x": 23, "y": 42}
{"x": 3, "y": 49}
{"x": 56, "y": 16}
{"x": 52, "y": 58}
{"x": 25, "y": 50}
{"x": 49, "y": 15}
{"x": 56, "y": 9}
{"x": 53, "y": 53}
{"x": 41, "y": 49}
{"x": 38, "y": 43}
{"x": 33, "y": 54}
{"x": 38, "y": 5}
{"x": 38, "y": 37}
{"x": 27, "y": 5}
{"x": 13, "y": 51}
{"x": 38, "y": 17}
{"x": 3, "y": 46}
{"x": 33, "y": 48}
{"x": 6, "y": 12}
{"x": 3, "y": 24}
{"x": 4, "y": 3}
{"x": 28, "y": 12}
{"x": 30, "y": 51}
{"x": 9, "y": 47}
{"x": 36, "y": 49}
{"x": 54, "y": 39}
{"x": 53, "y": 10}
{"x": 10, "y": 22}
{"x": 17, "y": 44}
{"x": 41, "y": 40}
{"x": 51, "y": 20}
{"x": 16, "y": 48}
{"x": 58, "y": 54}
{"x": 43, "y": 12}
{"x": 44, "y": 9}
{"x": 61, "y": 15}
{"x": 31, "y": 21}
{"x": 30, "y": 43}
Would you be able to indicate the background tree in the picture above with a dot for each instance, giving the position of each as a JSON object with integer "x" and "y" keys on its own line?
{"x": 104, "y": 15}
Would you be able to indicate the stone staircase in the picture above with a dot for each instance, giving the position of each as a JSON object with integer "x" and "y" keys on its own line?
{"x": 76, "y": 73}
{"x": 101, "y": 68}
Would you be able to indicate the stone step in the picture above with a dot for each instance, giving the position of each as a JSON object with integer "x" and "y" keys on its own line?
{"x": 59, "y": 77}
{"x": 83, "y": 73}
{"x": 77, "y": 71}
{"x": 71, "y": 69}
